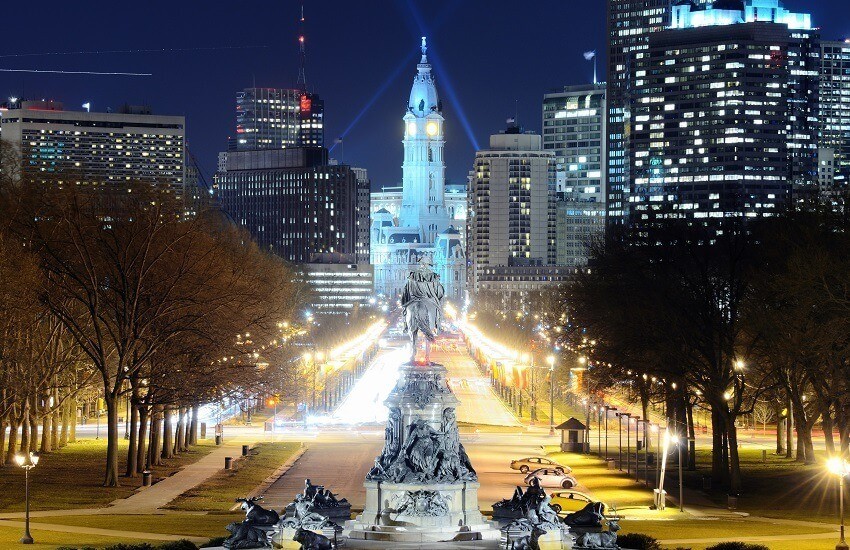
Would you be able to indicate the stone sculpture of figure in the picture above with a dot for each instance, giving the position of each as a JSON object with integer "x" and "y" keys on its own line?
{"x": 454, "y": 462}
{"x": 547, "y": 518}
{"x": 312, "y": 541}
{"x": 420, "y": 449}
{"x": 310, "y": 490}
{"x": 254, "y": 531}
{"x": 422, "y": 302}
{"x": 246, "y": 535}
{"x": 422, "y": 503}
{"x": 589, "y": 516}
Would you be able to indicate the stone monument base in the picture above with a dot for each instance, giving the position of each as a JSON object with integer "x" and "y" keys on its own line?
{"x": 382, "y": 520}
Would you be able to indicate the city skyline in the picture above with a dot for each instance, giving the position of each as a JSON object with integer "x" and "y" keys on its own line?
{"x": 486, "y": 79}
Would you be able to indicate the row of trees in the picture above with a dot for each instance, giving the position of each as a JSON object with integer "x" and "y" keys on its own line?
{"x": 729, "y": 318}
{"x": 112, "y": 291}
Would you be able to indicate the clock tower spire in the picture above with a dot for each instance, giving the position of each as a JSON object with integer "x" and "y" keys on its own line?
{"x": 423, "y": 181}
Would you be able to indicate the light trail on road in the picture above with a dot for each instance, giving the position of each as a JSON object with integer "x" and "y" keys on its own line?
{"x": 365, "y": 402}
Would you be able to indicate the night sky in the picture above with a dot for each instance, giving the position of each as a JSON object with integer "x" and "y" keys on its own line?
{"x": 492, "y": 58}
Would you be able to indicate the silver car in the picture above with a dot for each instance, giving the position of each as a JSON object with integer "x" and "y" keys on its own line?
{"x": 532, "y": 463}
{"x": 549, "y": 477}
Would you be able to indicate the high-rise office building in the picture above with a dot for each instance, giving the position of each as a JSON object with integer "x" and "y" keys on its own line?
{"x": 364, "y": 189}
{"x": 276, "y": 118}
{"x": 89, "y": 148}
{"x": 834, "y": 164}
{"x": 723, "y": 113}
{"x": 511, "y": 222}
{"x": 292, "y": 202}
{"x": 575, "y": 130}
{"x": 630, "y": 24}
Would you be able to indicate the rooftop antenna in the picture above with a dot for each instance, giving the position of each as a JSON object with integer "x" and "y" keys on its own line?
{"x": 302, "y": 74}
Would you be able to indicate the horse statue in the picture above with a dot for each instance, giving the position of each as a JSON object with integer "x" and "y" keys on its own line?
{"x": 421, "y": 303}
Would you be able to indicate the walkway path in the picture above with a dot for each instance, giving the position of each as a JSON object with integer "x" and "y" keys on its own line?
{"x": 149, "y": 499}
{"x": 131, "y": 535}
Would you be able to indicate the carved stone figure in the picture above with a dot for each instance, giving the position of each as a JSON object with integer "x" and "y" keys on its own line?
{"x": 254, "y": 530}
{"x": 532, "y": 506}
{"x": 547, "y": 518}
{"x": 246, "y": 535}
{"x": 422, "y": 503}
{"x": 454, "y": 462}
{"x": 312, "y": 541}
{"x": 315, "y": 508}
{"x": 421, "y": 303}
{"x": 589, "y": 516}
{"x": 255, "y": 513}
{"x": 603, "y": 539}
{"x": 527, "y": 542}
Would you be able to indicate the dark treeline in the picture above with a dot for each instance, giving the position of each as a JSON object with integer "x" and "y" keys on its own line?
{"x": 749, "y": 320}
{"x": 111, "y": 292}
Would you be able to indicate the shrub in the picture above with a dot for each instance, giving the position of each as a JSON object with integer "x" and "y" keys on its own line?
{"x": 214, "y": 542}
{"x": 737, "y": 546}
{"x": 638, "y": 541}
{"x": 122, "y": 546}
{"x": 178, "y": 545}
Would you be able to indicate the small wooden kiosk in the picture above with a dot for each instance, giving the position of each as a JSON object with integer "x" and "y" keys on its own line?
{"x": 572, "y": 436}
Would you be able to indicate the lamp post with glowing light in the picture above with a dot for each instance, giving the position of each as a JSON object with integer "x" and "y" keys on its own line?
{"x": 583, "y": 368}
{"x": 27, "y": 462}
{"x": 840, "y": 468}
{"x": 551, "y": 361}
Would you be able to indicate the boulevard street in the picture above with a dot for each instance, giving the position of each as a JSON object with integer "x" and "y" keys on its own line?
{"x": 339, "y": 457}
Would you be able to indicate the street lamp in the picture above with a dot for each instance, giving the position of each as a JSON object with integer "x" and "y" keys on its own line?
{"x": 607, "y": 408}
{"x": 840, "y": 468}
{"x": 620, "y": 445}
{"x": 659, "y": 493}
{"x": 27, "y": 462}
{"x": 551, "y": 361}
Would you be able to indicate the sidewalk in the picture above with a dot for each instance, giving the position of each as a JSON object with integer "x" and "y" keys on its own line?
{"x": 148, "y": 500}
{"x": 35, "y": 526}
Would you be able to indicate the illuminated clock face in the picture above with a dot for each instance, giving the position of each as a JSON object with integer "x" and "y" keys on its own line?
{"x": 431, "y": 128}
{"x": 411, "y": 128}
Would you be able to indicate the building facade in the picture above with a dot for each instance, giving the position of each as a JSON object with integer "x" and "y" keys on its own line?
{"x": 630, "y": 23}
{"x": 575, "y": 130}
{"x": 339, "y": 285}
{"x": 723, "y": 114}
{"x": 511, "y": 220}
{"x": 421, "y": 224}
{"x": 293, "y": 202}
{"x": 276, "y": 118}
{"x": 105, "y": 149}
{"x": 835, "y": 117}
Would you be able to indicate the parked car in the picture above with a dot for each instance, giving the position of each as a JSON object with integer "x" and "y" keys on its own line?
{"x": 570, "y": 501}
{"x": 532, "y": 463}
{"x": 549, "y": 477}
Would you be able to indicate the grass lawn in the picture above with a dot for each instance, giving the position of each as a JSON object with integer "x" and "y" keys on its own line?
{"x": 610, "y": 486}
{"x": 192, "y": 525}
{"x": 778, "y": 488}
{"x": 729, "y": 529}
{"x": 216, "y": 494}
{"x": 9, "y": 537}
{"x": 72, "y": 477}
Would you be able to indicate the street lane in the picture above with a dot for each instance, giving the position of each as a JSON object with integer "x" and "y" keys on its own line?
{"x": 478, "y": 403}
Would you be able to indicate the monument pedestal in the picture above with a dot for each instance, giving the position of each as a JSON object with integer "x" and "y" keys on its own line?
{"x": 423, "y": 487}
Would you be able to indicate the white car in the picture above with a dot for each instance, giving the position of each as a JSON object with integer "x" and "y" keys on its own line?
{"x": 549, "y": 477}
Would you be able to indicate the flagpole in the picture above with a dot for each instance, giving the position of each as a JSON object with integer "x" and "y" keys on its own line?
{"x": 594, "y": 69}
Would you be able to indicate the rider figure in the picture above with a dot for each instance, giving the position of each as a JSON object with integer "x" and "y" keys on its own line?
{"x": 422, "y": 304}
